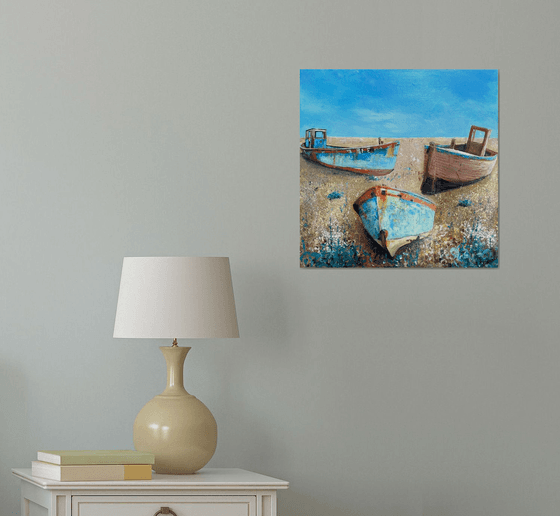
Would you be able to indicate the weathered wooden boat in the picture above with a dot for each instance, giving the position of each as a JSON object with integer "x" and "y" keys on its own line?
{"x": 373, "y": 160}
{"x": 394, "y": 218}
{"x": 462, "y": 163}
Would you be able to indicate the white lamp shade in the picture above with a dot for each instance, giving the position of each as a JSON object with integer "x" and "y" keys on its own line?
{"x": 176, "y": 297}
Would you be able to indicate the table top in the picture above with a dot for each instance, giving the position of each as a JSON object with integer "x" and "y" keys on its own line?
{"x": 205, "y": 479}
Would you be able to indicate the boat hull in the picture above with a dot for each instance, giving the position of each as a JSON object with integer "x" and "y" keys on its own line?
{"x": 394, "y": 218}
{"x": 376, "y": 160}
{"x": 457, "y": 166}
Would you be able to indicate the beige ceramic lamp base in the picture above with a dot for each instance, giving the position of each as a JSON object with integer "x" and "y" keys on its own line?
{"x": 175, "y": 426}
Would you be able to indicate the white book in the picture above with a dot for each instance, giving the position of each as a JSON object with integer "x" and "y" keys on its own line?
{"x": 74, "y": 457}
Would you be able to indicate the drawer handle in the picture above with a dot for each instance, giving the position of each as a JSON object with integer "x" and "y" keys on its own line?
{"x": 165, "y": 510}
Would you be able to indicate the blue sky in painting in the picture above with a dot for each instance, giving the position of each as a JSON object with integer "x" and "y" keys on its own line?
{"x": 398, "y": 103}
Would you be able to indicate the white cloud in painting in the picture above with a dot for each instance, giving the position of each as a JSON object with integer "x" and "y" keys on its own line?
{"x": 368, "y": 115}
{"x": 311, "y": 105}
{"x": 375, "y": 123}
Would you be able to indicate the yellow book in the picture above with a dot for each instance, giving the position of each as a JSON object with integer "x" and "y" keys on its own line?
{"x": 91, "y": 472}
{"x": 75, "y": 457}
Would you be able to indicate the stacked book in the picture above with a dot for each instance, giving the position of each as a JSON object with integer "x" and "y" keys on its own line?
{"x": 86, "y": 465}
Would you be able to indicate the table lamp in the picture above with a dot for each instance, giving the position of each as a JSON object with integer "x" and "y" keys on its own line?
{"x": 174, "y": 298}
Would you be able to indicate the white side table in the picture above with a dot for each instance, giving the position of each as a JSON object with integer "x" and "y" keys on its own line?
{"x": 209, "y": 492}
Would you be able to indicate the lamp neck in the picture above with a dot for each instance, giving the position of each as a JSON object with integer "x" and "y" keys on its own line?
{"x": 175, "y": 359}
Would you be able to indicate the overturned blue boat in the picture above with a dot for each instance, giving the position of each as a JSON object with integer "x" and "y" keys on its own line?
{"x": 394, "y": 218}
{"x": 373, "y": 160}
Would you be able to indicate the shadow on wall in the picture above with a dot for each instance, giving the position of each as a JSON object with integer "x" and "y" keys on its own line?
{"x": 14, "y": 434}
{"x": 245, "y": 438}
{"x": 246, "y": 373}
{"x": 263, "y": 306}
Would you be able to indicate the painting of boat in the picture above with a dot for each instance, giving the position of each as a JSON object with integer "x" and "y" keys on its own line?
{"x": 394, "y": 218}
{"x": 373, "y": 160}
{"x": 463, "y": 163}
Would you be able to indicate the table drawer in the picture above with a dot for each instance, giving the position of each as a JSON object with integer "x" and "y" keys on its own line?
{"x": 149, "y": 505}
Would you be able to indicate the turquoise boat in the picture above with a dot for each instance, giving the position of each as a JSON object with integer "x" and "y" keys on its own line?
{"x": 394, "y": 218}
{"x": 373, "y": 160}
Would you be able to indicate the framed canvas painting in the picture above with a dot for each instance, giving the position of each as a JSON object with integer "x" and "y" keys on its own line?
{"x": 399, "y": 168}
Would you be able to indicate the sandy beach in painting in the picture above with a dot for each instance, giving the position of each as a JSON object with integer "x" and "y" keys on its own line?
{"x": 465, "y": 232}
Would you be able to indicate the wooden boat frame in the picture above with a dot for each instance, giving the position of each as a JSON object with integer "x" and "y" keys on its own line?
{"x": 463, "y": 163}
{"x": 310, "y": 153}
{"x": 381, "y": 193}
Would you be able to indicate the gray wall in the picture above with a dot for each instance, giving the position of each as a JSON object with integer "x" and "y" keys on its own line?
{"x": 134, "y": 128}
